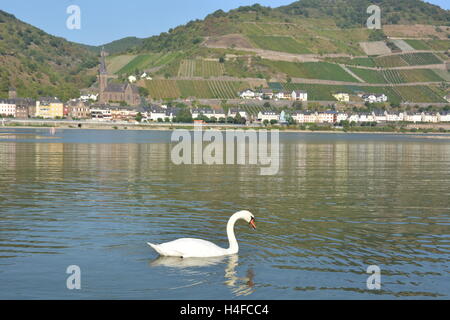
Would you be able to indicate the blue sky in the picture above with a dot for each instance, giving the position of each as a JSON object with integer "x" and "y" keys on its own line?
{"x": 103, "y": 21}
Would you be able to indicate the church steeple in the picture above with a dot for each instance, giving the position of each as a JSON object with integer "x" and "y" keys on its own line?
{"x": 103, "y": 76}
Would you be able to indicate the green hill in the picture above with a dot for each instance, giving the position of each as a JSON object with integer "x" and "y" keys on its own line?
{"x": 39, "y": 64}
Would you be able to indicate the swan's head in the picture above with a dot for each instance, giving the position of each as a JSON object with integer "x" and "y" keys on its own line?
{"x": 248, "y": 217}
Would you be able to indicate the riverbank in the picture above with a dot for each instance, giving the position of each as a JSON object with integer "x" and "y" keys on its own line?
{"x": 76, "y": 125}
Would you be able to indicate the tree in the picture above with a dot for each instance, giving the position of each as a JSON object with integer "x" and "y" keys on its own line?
{"x": 273, "y": 121}
{"x": 138, "y": 117}
{"x": 266, "y": 122}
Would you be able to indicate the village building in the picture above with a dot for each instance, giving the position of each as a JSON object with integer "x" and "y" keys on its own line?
{"x": 413, "y": 117}
{"x": 268, "y": 115}
{"x": 342, "y": 97}
{"x": 267, "y": 93}
{"x": 374, "y": 97}
{"x": 327, "y": 117}
{"x": 299, "y": 95}
{"x": 429, "y": 117}
{"x": 78, "y": 109}
{"x": 233, "y": 112}
{"x": 49, "y": 108}
{"x": 7, "y": 108}
{"x": 247, "y": 94}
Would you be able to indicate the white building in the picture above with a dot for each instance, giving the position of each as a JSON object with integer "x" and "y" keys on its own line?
{"x": 353, "y": 118}
{"x": 156, "y": 114}
{"x": 429, "y": 117}
{"x": 299, "y": 95}
{"x": 341, "y": 117}
{"x": 247, "y": 94}
{"x": 233, "y": 112}
{"x": 7, "y": 108}
{"x": 374, "y": 97}
{"x": 444, "y": 117}
{"x": 413, "y": 117}
{"x": 101, "y": 114}
{"x": 268, "y": 115}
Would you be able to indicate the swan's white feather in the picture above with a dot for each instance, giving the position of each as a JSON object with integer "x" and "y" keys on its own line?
{"x": 189, "y": 247}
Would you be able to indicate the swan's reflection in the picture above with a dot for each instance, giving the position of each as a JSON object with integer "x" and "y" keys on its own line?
{"x": 240, "y": 286}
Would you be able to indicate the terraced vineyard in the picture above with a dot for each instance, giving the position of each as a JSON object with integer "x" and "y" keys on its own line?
{"x": 415, "y": 75}
{"x": 390, "y": 61}
{"x": 417, "y": 44}
{"x": 163, "y": 89}
{"x": 418, "y": 94}
{"x": 424, "y": 58}
{"x": 146, "y": 61}
{"x": 407, "y": 59}
{"x": 200, "y": 68}
{"x": 364, "y": 62}
{"x": 312, "y": 70}
{"x": 278, "y": 43}
{"x": 369, "y": 75}
{"x": 206, "y": 89}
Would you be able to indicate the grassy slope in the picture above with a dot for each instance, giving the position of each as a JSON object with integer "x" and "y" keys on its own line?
{"x": 37, "y": 63}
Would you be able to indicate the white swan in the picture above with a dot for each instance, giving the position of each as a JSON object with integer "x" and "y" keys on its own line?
{"x": 198, "y": 248}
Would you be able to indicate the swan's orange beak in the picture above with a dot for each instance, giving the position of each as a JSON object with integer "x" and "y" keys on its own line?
{"x": 252, "y": 223}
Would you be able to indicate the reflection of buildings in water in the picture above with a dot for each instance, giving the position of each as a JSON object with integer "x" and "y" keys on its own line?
{"x": 240, "y": 286}
{"x": 7, "y": 155}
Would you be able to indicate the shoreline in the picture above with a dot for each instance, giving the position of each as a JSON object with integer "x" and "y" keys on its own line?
{"x": 190, "y": 127}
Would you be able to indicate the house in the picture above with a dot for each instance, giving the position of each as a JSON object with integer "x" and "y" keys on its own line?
{"x": 283, "y": 95}
{"x": 341, "y": 116}
{"x": 353, "y": 118}
{"x": 7, "y": 108}
{"x": 247, "y": 94}
{"x": 379, "y": 116}
{"x": 366, "y": 117}
{"x": 266, "y": 93}
{"x": 299, "y": 95}
{"x": 88, "y": 96}
{"x": 393, "y": 116}
{"x": 413, "y": 117}
{"x": 157, "y": 114}
{"x": 25, "y": 108}
{"x": 78, "y": 109}
{"x": 342, "y": 97}
{"x": 233, "y": 112}
{"x": 327, "y": 117}
{"x": 268, "y": 115}
{"x": 298, "y": 117}
{"x": 374, "y": 97}
{"x": 101, "y": 113}
{"x": 429, "y": 117}
{"x": 444, "y": 116}
{"x": 49, "y": 108}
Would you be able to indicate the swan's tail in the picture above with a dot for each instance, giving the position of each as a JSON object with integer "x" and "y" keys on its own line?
{"x": 155, "y": 247}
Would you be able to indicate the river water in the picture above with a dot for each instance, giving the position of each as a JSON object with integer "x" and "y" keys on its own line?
{"x": 339, "y": 204}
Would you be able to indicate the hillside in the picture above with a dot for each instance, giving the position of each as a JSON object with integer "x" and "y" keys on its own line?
{"x": 319, "y": 45}
{"x": 38, "y": 64}
{"x": 117, "y": 46}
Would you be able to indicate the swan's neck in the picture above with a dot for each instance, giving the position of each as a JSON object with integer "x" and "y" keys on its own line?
{"x": 234, "y": 247}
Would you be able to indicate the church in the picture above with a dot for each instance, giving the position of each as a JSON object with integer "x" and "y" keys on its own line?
{"x": 115, "y": 92}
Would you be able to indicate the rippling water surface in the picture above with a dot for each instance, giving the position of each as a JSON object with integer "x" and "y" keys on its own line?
{"x": 338, "y": 204}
